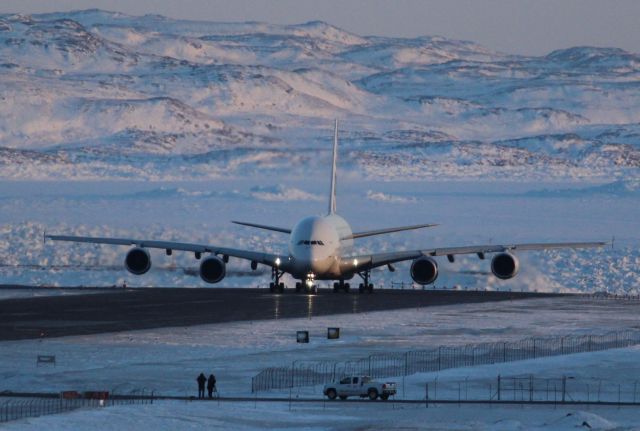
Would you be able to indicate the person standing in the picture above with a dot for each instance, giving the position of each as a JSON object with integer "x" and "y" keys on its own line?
{"x": 201, "y": 381}
{"x": 211, "y": 385}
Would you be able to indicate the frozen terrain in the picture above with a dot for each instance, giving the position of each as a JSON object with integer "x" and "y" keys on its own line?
{"x": 95, "y": 94}
{"x": 468, "y": 213}
{"x": 167, "y": 360}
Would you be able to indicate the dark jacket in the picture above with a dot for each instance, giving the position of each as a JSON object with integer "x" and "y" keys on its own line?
{"x": 211, "y": 383}
{"x": 201, "y": 380}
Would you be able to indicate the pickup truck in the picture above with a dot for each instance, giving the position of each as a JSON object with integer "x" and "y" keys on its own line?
{"x": 360, "y": 386}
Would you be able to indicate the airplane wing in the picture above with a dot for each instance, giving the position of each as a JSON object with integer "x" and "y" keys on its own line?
{"x": 262, "y": 226}
{"x": 387, "y": 230}
{"x": 255, "y": 256}
{"x": 364, "y": 262}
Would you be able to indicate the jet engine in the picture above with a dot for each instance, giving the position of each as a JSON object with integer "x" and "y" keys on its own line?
{"x": 424, "y": 270}
{"x": 212, "y": 269}
{"x": 137, "y": 261}
{"x": 505, "y": 266}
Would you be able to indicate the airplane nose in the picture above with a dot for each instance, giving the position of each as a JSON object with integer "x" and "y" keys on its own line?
{"x": 311, "y": 257}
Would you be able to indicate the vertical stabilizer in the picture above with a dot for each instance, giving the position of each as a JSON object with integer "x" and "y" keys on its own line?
{"x": 332, "y": 197}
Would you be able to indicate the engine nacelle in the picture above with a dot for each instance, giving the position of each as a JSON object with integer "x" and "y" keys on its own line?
{"x": 138, "y": 261}
{"x": 212, "y": 269}
{"x": 424, "y": 270}
{"x": 505, "y": 266}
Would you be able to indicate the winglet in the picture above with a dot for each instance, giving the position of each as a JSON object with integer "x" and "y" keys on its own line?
{"x": 332, "y": 197}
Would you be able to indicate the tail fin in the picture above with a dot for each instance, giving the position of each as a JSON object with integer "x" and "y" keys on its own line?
{"x": 332, "y": 198}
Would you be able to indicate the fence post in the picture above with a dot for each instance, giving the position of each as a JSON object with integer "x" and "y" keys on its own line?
{"x": 530, "y": 387}
{"x": 439, "y": 358}
{"x": 426, "y": 392}
{"x": 564, "y": 387}
{"x": 406, "y": 363}
{"x": 435, "y": 395}
{"x": 498, "y": 387}
{"x": 618, "y": 395}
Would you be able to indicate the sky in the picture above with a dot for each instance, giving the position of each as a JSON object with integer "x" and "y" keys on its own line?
{"x": 530, "y": 27}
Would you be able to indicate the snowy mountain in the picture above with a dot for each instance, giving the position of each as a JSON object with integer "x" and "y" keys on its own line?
{"x": 96, "y": 94}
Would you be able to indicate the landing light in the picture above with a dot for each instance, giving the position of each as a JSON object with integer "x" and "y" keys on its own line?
{"x": 355, "y": 262}
{"x": 278, "y": 261}
{"x": 309, "y": 283}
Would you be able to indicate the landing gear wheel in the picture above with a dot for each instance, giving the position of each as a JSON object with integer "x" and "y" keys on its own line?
{"x": 298, "y": 287}
{"x": 384, "y": 397}
{"x": 336, "y": 287}
{"x": 276, "y": 286}
{"x": 366, "y": 286}
{"x": 373, "y": 394}
{"x": 331, "y": 394}
{"x": 347, "y": 287}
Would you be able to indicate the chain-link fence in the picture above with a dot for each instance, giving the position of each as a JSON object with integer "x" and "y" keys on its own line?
{"x": 310, "y": 373}
{"x": 535, "y": 389}
{"x": 14, "y": 408}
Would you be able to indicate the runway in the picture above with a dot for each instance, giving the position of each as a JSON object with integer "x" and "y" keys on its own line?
{"x": 145, "y": 308}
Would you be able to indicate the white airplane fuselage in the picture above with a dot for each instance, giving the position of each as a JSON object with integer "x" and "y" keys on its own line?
{"x": 316, "y": 247}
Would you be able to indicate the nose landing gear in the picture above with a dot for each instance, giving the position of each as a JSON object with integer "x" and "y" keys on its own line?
{"x": 308, "y": 285}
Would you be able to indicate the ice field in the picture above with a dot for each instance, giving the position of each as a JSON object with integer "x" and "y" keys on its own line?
{"x": 467, "y": 213}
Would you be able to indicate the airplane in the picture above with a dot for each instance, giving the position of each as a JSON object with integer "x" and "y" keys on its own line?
{"x": 320, "y": 248}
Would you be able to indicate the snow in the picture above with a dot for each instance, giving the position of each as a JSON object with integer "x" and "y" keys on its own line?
{"x": 168, "y": 360}
{"x": 87, "y": 90}
{"x": 466, "y": 213}
{"x": 194, "y": 416}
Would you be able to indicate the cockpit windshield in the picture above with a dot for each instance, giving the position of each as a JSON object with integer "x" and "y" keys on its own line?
{"x": 310, "y": 242}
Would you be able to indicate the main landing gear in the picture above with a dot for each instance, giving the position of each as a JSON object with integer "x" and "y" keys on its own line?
{"x": 366, "y": 286}
{"x": 276, "y": 286}
{"x": 362, "y": 288}
{"x": 341, "y": 285}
